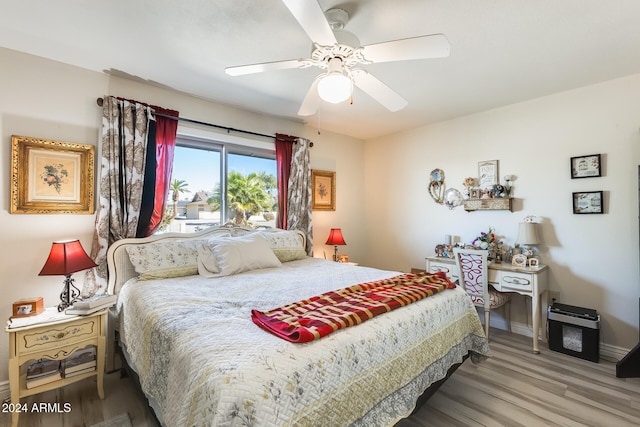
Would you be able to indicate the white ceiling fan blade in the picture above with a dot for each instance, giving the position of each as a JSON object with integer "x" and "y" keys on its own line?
{"x": 379, "y": 91}
{"x": 310, "y": 16}
{"x": 266, "y": 66}
{"x": 311, "y": 100}
{"x": 423, "y": 47}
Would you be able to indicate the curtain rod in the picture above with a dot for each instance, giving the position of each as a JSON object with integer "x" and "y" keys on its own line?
{"x": 100, "y": 102}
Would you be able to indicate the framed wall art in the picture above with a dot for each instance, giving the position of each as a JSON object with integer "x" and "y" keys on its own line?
{"x": 51, "y": 177}
{"x": 487, "y": 174}
{"x": 323, "y": 190}
{"x": 587, "y": 202}
{"x": 586, "y": 166}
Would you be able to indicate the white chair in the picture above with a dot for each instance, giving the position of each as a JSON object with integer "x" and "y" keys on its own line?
{"x": 474, "y": 279}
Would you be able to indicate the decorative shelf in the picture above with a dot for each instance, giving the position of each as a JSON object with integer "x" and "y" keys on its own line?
{"x": 495, "y": 204}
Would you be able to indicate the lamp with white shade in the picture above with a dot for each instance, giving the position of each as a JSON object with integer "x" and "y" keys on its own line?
{"x": 527, "y": 237}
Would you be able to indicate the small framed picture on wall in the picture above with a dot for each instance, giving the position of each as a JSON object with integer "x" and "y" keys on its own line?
{"x": 587, "y": 202}
{"x": 323, "y": 187}
{"x": 586, "y": 166}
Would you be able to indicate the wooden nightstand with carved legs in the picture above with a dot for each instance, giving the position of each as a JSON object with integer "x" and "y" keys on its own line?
{"x": 56, "y": 340}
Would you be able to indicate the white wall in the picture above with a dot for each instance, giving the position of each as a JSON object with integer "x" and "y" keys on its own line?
{"x": 46, "y": 99}
{"x": 593, "y": 258}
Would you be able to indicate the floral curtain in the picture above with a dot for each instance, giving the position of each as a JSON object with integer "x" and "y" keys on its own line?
{"x": 299, "y": 194}
{"x": 125, "y": 127}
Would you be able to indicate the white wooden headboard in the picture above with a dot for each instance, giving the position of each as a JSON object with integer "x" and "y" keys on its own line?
{"x": 121, "y": 269}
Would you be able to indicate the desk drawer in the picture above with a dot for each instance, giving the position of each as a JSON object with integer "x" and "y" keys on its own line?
{"x": 53, "y": 336}
{"x": 449, "y": 269}
{"x": 516, "y": 282}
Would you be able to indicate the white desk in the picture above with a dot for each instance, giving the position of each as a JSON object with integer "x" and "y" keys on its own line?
{"x": 529, "y": 281}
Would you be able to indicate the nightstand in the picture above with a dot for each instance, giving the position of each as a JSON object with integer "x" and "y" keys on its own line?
{"x": 53, "y": 336}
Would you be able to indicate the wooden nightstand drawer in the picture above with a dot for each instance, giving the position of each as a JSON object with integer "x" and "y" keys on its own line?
{"x": 53, "y": 336}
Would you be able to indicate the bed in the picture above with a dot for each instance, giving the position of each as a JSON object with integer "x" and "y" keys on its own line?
{"x": 200, "y": 360}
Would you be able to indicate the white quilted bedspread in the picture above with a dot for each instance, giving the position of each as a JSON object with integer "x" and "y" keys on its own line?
{"x": 199, "y": 355}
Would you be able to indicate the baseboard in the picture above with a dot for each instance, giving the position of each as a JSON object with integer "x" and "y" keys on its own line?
{"x": 5, "y": 393}
{"x": 608, "y": 352}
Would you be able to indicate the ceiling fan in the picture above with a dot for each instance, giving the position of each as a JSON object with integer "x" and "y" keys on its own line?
{"x": 338, "y": 52}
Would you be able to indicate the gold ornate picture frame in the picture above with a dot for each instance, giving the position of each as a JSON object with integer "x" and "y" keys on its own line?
{"x": 51, "y": 177}
{"x": 323, "y": 190}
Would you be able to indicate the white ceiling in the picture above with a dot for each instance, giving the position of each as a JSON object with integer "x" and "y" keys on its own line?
{"x": 502, "y": 51}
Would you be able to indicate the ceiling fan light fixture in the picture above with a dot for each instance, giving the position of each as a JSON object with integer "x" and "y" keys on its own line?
{"x": 335, "y": 87}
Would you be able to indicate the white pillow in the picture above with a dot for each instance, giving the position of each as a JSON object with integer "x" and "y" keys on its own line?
{"x": 287, "y": 245}
{"x": 224, "y": 257}
{"x": 207, "y": 264}
{"x": 162, "y": 260}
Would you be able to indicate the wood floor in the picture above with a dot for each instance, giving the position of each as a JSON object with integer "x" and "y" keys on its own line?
{"x": 513, "y": 388}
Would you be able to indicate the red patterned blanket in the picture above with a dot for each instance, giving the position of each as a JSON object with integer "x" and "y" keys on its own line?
{"x": 316, "y": 317}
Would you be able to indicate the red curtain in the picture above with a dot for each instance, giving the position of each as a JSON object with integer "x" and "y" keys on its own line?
{"x": 166, "y": 128}
{"x": 284, "y": 148}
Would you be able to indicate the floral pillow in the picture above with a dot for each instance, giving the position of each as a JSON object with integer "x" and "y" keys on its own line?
{"x": 163, "y": 260}
{"x": 286, "y": 245}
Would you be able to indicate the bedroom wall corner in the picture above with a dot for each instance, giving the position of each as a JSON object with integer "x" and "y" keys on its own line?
{"x": 51, "y": 100}
{"x": 344, "y": 156}
{"x": 593, "y": 259}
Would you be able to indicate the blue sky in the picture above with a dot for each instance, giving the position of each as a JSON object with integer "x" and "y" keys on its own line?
{"x": 201, "y": 168}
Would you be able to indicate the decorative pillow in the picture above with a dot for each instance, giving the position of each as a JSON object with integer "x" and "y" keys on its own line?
{"x": 163, "y": 260}
{"x": 251, "y": 252}
{"x": 207, "y": 264}
{"x": 287, "y": 245}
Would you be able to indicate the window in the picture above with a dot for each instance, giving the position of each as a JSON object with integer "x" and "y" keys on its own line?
{"x": 214, "y": 182}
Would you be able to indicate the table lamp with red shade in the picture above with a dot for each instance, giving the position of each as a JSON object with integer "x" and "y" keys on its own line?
{"x": 335, "y": 239}
{"x": 67, "y": 257}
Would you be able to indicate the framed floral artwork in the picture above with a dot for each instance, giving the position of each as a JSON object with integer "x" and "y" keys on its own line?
{"x": 51, "y": 177}
{"x": 323, "y": 190}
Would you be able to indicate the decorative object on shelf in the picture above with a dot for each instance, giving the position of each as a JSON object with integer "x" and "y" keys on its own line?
{"x": 533, "y": 263}
{"x": 519, "y": 260}
{"x": 487, "y": 174}
{"x": 528, "y": 238}
{"x": 586, "y": 166}
{"x": 323, "y": 190}
{"x": 444, "y": 250}
{"x": 51, "y": 177}
{"x": 508, "y": 186}
{"x": 588, "y": 202}
{"x": 335, "y": 238}
{"x": 452, "y": 198}
{"x": 28, "y": 307}
{"x": 436, "y": 186}
{"x": 468, "y": 184}
{"x": 67, "y": 257}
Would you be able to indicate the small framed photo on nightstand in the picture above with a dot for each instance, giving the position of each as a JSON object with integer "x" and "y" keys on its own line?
{"x": 519, "y": 260}
{"x": 28, "y": 307}
{"x": 533, "y": 263}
